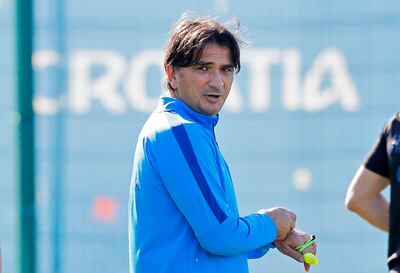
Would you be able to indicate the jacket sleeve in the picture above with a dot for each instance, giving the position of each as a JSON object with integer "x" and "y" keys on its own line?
{"x": 259, "y": 252}
{"x": 198, "y": 194}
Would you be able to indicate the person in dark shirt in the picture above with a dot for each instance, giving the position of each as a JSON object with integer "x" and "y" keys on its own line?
{"x": 380, "y": 169}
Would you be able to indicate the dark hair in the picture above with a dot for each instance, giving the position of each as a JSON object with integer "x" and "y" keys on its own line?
{"x": 190, "y": 36}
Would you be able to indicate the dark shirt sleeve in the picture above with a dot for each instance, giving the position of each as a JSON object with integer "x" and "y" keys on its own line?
{"x": 377, "y": 158}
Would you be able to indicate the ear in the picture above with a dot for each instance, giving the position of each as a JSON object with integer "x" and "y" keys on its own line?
{"x": 171, "y": 74}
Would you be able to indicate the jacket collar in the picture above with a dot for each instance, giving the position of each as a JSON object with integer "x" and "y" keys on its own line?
{"x": 178, "y": 106}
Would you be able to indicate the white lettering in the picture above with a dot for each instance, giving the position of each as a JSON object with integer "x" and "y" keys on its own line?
{"x": 45, "y": 58}
{"x": 45, "y": 106}
{"x": 234, "y": 102}
{"x": 136, "y": 90}
{"x": 42, "y": 59}
{"x": 329, "y": 62}
{"x": 308, "y": 94}
{"x": 104, "y": 88}
{"x": 291, "y": 80}
{"x": 260, "y": 61}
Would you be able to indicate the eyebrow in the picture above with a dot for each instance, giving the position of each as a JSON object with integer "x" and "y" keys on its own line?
{"x": 230, "y": 65}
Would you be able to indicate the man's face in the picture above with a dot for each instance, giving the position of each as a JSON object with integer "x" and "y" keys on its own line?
{"x": 205, "y": 86}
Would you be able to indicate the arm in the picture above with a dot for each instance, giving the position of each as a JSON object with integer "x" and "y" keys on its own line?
{"x": 197, "y": 193}
{"x": 364, "y": 197}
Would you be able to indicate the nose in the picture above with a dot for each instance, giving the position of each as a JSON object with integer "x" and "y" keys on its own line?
{"x": 216, "y": 80}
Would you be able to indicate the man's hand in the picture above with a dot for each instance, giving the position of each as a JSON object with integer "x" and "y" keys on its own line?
{"x": 293, "y": 240}
{"x": 284, "y": 219}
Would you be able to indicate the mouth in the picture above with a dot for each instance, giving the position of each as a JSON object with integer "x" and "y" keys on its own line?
{"x": 213, "y": 97}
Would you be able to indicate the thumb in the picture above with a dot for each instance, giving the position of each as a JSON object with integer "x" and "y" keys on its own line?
{"x": 306, "y": 267}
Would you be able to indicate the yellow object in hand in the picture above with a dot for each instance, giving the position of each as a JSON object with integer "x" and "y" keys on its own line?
{"x": 310, "y": 258}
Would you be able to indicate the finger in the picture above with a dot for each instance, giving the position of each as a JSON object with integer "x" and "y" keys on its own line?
{"x": 294, "y": 254}
{"x": 281, "y": 235}
{"x": 306, "y": 267}
{"x": 293, "y": 225}
{"x": 290, "y": 224}
{"x": 294, "y": 217}
{"x": 312, "y": 248}
{"x": 285, "y": 231}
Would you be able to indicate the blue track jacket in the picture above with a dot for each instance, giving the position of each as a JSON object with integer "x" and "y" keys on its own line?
{"x": 183, "y": 210}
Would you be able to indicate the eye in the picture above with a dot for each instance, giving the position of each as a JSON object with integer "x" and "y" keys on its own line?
{"x": 202, "y": 68}
{"x": 228, "y": 69}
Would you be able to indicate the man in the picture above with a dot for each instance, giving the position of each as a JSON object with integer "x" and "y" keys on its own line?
{"x": 183, "y": 210}
{"x": 364, "y": 195}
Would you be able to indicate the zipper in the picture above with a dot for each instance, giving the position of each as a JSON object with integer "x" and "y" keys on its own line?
{"x": 215, "y": 139}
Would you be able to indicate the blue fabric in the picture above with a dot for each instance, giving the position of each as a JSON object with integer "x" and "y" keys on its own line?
{"x": 183, "y": 210}
{"x": 187, "y": 149}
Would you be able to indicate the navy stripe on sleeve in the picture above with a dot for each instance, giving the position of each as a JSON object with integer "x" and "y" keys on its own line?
{"x": 187, "y": 150}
